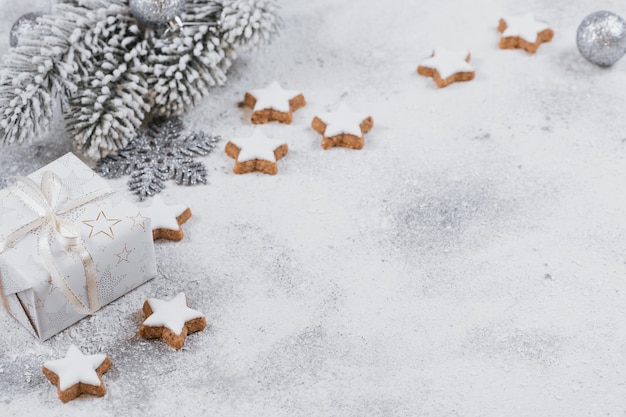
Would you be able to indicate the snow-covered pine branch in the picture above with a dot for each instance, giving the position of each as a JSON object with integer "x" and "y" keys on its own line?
{"x": 186, "y": 66}
{"x": 28, "y": 77}
{"x": 248, "y": 23}
{"x": 110, "y": 73}
{"x": 110, "y": 103}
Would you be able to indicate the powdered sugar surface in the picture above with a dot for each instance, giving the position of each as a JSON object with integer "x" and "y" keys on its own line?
{"x": 470, "y": 260}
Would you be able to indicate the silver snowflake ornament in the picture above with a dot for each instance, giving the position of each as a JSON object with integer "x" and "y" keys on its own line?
{"x": 161, "y": 152}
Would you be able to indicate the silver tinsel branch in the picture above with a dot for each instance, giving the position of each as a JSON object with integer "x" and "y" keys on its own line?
{"x": 111, "y": 74}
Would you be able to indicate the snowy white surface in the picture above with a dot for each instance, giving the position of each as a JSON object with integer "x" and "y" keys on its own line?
{"x": 469, "y": 261}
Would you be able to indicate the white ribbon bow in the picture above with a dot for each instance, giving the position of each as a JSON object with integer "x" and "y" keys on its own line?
{"x": 50, "y": 201}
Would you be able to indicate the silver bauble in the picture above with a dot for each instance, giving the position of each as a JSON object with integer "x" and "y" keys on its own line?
{"x": 601, "y": 38}
{"x": 22, "y": 25}
{"x": 156, "y": 13}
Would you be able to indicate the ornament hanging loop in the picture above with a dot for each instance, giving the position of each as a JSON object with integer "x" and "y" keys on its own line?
{"x": 156, "y": 13}
{"x": 174, "y": 27}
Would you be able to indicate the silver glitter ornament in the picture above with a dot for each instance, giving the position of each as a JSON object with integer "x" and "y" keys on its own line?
{"x": 601, "y": 38}
{"x": 156, "y": 13}
{"x": 22, "y": 25}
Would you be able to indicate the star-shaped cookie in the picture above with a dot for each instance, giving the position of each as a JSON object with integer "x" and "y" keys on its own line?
{"x": 523, "y": 32}
{"x": 102, "y": 225}
{"x": 256, "y": 153}
{"x": 273, "y": 103}
{"x": 447, "y": 66}
{"x": 166, "y": 219}
{"x": 343, "y": 127}
{"x": 170, "y": 320}
{"x": 77, "y": 374}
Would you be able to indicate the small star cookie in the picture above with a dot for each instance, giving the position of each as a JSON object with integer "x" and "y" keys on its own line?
{"x": 166, "y": 219}
{"x": 273, "y": 103}
{"x": 523, "y": 32}
{"x": 77, "y": 374}
{"x": 256, "y": 153}
{"x": 447, "y": 66}
{"x": 343, "y": 127}
{"x": 170, "y": 320}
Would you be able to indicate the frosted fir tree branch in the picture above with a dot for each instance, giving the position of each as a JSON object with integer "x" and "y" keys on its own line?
{"x": 185, "y": 67}
{"x": 110, "y": 103}
{"x": 28, "y": 77}
{"x": 247, "y": 23}
{"x": 110, "y": 73}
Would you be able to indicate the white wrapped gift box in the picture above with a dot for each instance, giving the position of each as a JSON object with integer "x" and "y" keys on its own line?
{"x": 64, "y": 258}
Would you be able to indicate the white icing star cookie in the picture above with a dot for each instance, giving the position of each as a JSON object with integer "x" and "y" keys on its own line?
{"x": 523, "y": 32}
{"x": 77, "y": 374}
{"x": 342, "y": 127}
{"x": 166, "y": 219}
{"x": 170, "y": 320}
{"x": 447, "y": 66}
{"x": 256, "y": 153}
{"x": 273, "y": 103}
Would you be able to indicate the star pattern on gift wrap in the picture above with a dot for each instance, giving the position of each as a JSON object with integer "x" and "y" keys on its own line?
{"x": 52, "y": 286}
{"x": 523, "y": 32}
{"x": 102, "y": 225}
{"x": 84, "y": 372}
{"x": 108, "y": 282}
{"x": 447, "y": 66}
{"x": 7, "y": 283}
{"x": 58, "y": 318}
{"x": 139, "y": 220}
{"x": 28, "y": 304}
{"x": 67, "y": 254}
{"x": 74, "y": 215}
{"x": 75, "y": 184}
{"x": 123, "y": 255}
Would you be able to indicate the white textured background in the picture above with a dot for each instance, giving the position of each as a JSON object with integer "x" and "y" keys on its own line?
{"x": 470, "y": 261}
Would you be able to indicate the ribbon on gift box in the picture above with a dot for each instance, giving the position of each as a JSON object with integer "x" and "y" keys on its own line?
{"x": 50, "y": 201}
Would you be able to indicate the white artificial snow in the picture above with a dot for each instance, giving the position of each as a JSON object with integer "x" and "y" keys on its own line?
{"x": 469, "y": 261}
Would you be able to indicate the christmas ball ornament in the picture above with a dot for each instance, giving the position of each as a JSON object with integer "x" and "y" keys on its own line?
{"x": 156, "y": 13}
{"x": 22, "y": 25}
{"x": 601, "y": 38}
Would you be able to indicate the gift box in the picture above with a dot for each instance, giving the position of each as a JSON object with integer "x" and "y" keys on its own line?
{"x": 68, "y": 246}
